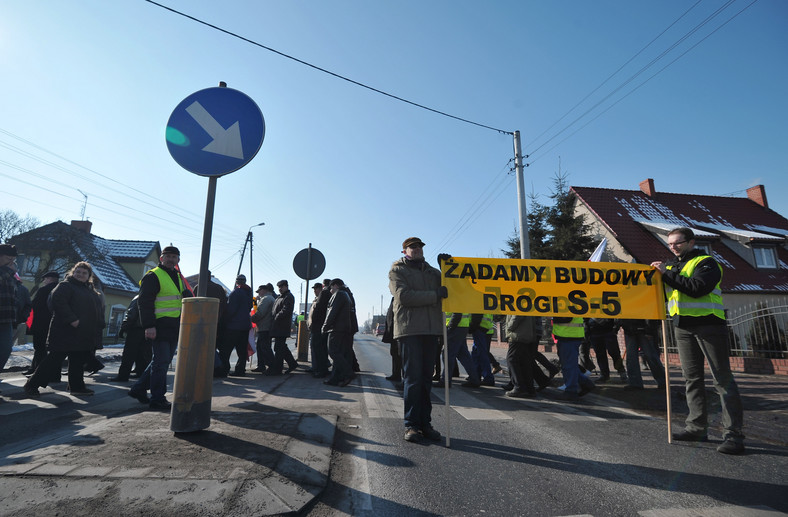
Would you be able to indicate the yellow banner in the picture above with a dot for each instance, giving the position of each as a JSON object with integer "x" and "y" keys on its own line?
{"x": 553, "y": 288}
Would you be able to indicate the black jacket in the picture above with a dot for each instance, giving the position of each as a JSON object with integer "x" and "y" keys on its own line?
{"x": 704, "y": 279}
{"x": 340, "y": 313}
{"x": 73, "y": 300}
{"x": 320, "y": 309}
{"x": 42, "y": 314}
{"x": 283, "y": 315}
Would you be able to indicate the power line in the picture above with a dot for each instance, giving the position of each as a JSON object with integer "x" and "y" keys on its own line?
{"x": 649, "y": 79}
{"x": 325, "y": 71}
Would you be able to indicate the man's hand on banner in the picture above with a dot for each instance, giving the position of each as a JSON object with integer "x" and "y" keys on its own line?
{"x": 443, "y": 257}
{"x": 442, "y": 292}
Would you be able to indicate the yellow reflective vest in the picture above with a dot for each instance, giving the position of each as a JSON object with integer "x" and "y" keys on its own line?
{"x": 168, "y": 299}
{"x": 574, "y": 329}
{"x": 464, "y": 322}
{"x": 488, "y": 323}
{"x": 685, "y": 305}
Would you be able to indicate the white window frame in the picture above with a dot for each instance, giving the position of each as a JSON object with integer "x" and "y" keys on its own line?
{"x": 765, "y": 257}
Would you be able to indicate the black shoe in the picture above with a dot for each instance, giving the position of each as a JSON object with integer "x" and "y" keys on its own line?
{"x": 603, "y": 379}
{"x": 319, "y": 375}
{"x": 160, "y": 406}
{"x": 345, "y": 382}
{"x": 141, "y": 397}
{"x": 568, "y": 396}
{"x": 686, "y": 436}
{"x": 81, "y": 391}
{"x": 291, "y": 367}
{"x": 394, "y": 378}
{"x": 439, "y": 384}
{"x": 272, "y": 373}
{"x": 28, "y": 372}
{"x": 238, "y": 374}
{"x": 469, "y": 384}
{"x": 331, "y": 382}
{"x": 497, "y": 369}
{"x": 587, "y": 388}
{"x": 31, "y": 391}
{"x": 430, "y": 433}
{"x": 731, "y": 447}
{"x": 490, "y": 381}
{"x": 509, "y": 386}
{"x": 258, "y": 370}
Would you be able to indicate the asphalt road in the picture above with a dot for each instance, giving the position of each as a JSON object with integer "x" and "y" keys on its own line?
{"x": 534, "y": 457}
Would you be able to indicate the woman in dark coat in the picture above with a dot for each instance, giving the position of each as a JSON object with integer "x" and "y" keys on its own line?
{"x": 77, "y": 319}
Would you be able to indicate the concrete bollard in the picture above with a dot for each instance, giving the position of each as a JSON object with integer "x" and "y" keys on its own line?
{"x": 302, "y": 341}
{"x": 191, "y": 407}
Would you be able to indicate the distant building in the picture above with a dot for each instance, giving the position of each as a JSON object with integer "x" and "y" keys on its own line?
{"x": 118, "y": 264}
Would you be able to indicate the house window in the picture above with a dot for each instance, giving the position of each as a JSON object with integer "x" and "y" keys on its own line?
{"x": 705, "y": 247}
{"x": 115, "y": 319}
{"x": 764, "y": 257}
{"x": 28, "y": 264}
{"x": 60, "y": 264}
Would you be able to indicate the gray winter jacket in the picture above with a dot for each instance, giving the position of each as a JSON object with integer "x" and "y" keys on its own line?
{"x": 417, "y": 308}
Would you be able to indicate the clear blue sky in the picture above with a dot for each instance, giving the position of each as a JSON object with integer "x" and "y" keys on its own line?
{"x": 88, "y": 87}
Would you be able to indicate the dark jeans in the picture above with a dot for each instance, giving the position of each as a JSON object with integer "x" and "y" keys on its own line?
{"x": 481, "y": 354}
{"x": 137, "y": 352}
{"x": 50, "y": 368}
{"x": 522, "y": 366}
{"x": 39, "y": 349}
{"x": 418, "y": 361}
{"x": 237, "y": 340}
{"x": 604, "y": 344}
{"x": 340, "y": 348}
{"x": 711, "y": 342}
{"x": 457, "y": 348}
{"x": 155, "y": 375}
{"x": 647, "y": 344}
{"x": 282, "y": 354}
{"x": 265, "y": 356}
{"x": 318, "y": 344}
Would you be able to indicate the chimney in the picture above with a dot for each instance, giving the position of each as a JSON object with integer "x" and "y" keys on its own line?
{"x": 647, "y": 186}
{"x": 85, "y": 226}
{"x": 758, "y": 194}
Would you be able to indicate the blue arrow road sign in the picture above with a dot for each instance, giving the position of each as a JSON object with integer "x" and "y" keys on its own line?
{"x": 215, "y": 131}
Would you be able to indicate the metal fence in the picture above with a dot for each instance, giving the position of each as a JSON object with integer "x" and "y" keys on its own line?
{"x": 759, "y": 329}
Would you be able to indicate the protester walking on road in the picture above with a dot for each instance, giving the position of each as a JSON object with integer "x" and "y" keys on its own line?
{"x": 239, "y": 307}
{"x": 695, "y": 304}
{"x": 74, "y": 331}
{"x": 568, "y": 333}
{"x": 338, "y": 325}
{"x": 137, "y": 351}
{"x": 42, "y": 315}
{"x": 642, "y": 337}
{"x": 418, "y": 325}
{"x": 280, "y": 330}
{"x": 161, "y": 291}
{"x": 523, "y": 334}
{"x": 7, "y": 300}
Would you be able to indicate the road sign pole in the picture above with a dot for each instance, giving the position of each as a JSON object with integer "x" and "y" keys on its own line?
{"x": 206, "y": 237}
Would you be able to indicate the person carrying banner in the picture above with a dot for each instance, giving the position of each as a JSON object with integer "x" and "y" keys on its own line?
{"x": 418, "y": 327}
{"x": 695, "y": 304}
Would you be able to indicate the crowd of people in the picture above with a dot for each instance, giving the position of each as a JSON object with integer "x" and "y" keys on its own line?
{"x": 69, "y": 318}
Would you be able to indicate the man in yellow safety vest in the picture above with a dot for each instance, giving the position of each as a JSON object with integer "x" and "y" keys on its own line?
{"x": 695, "y": 304}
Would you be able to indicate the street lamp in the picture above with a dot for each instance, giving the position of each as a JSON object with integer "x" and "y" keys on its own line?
{"x": 251, "y": 265}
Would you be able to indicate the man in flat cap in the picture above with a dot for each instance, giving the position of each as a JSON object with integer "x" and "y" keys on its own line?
{"x": 161, "y": 291}
{"x": 239, "y": 306}
{"x": 280, "y": 330}
{"x": 7, "y": 300}
{"x": 418, "y": 327}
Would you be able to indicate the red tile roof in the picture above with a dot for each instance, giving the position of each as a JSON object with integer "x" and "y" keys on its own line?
{"x": 623, "y": 212}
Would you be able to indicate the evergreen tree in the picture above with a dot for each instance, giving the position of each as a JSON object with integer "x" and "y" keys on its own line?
{"x": 554, "y": 232}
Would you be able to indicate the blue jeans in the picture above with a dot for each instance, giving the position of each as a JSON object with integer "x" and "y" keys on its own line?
{"x": 457, "y": 349}
{"x": 6, "y": 338}
{"x": 481, "y": 354}
{"x": 418, "y": 361}
{"x": 711, "y": 342}
{"x": 646, "y": 343}
{"x": 155, "y": 375}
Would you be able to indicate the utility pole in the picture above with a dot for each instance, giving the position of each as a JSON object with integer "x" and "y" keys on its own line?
{"x": 525, "y": 244}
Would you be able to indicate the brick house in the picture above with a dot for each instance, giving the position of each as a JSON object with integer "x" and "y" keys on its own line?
{"x": 746, "y": 237}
